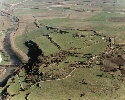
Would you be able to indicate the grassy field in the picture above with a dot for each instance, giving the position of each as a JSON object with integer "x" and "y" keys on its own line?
{"x": 46, "y": 46}
{"x": 13, "y": 1}
{"x": 72, "y": 87}
{"x": 55, "y": 21}
{"x": 66, "y": 88}
{"x": 65, "y": 41}
{"x": 100, "y": 22}
{"x": 20, "y": 12}
{"x": 86, "y": 44}
{"x": 1, "y": 6}
{"x": 80, "y": 83}
{"x": 21, "y": 39}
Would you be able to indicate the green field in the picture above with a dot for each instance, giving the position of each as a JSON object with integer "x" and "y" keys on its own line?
{"x": 1, "y": 6}
{"x": 75, "y": 47}
{"x": 13, "y": 1}
{"x": 46, "y": 46}
{"x": 55, "y": 21}
{"x": 65, "y": 41}
{"x": 21, "y": 39}
{"x": 72, "y": 87}
{"x": 19, "y": 12}
{"x": 102, "y": 23}
{"x": 100, "y": 88}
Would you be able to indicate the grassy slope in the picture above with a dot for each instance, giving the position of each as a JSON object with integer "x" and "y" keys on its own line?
{"x": 66, "y": 88}
{"x": 98, "y": 21}
{"x": 65, "y": 41}
{"x": 102, "y": 23}
{"x": 20, "y": 40}
{"x": 46, "y": 46}
{"x": 100, "y": 88}
{"x": 55, "y": 21}
{"x": 20, "y": 12}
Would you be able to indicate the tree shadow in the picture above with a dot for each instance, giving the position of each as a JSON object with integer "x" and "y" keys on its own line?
{"x": 34, "y": 52}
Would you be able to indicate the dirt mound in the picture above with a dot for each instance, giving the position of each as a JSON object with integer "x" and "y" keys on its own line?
{"x": 117, "y": 19}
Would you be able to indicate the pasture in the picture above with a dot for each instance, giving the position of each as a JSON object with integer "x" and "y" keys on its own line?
{"x": 72, "y": 33}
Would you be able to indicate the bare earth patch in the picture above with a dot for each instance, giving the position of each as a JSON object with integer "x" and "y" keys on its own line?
{"x": 117, "y": 19}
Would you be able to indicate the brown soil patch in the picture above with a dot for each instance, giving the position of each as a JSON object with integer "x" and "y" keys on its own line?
{"x": 117, "y": 19}
{"x": 112, "y": 64}
{"x": 108, "y": 66}
{"x": 119, "y": 61}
